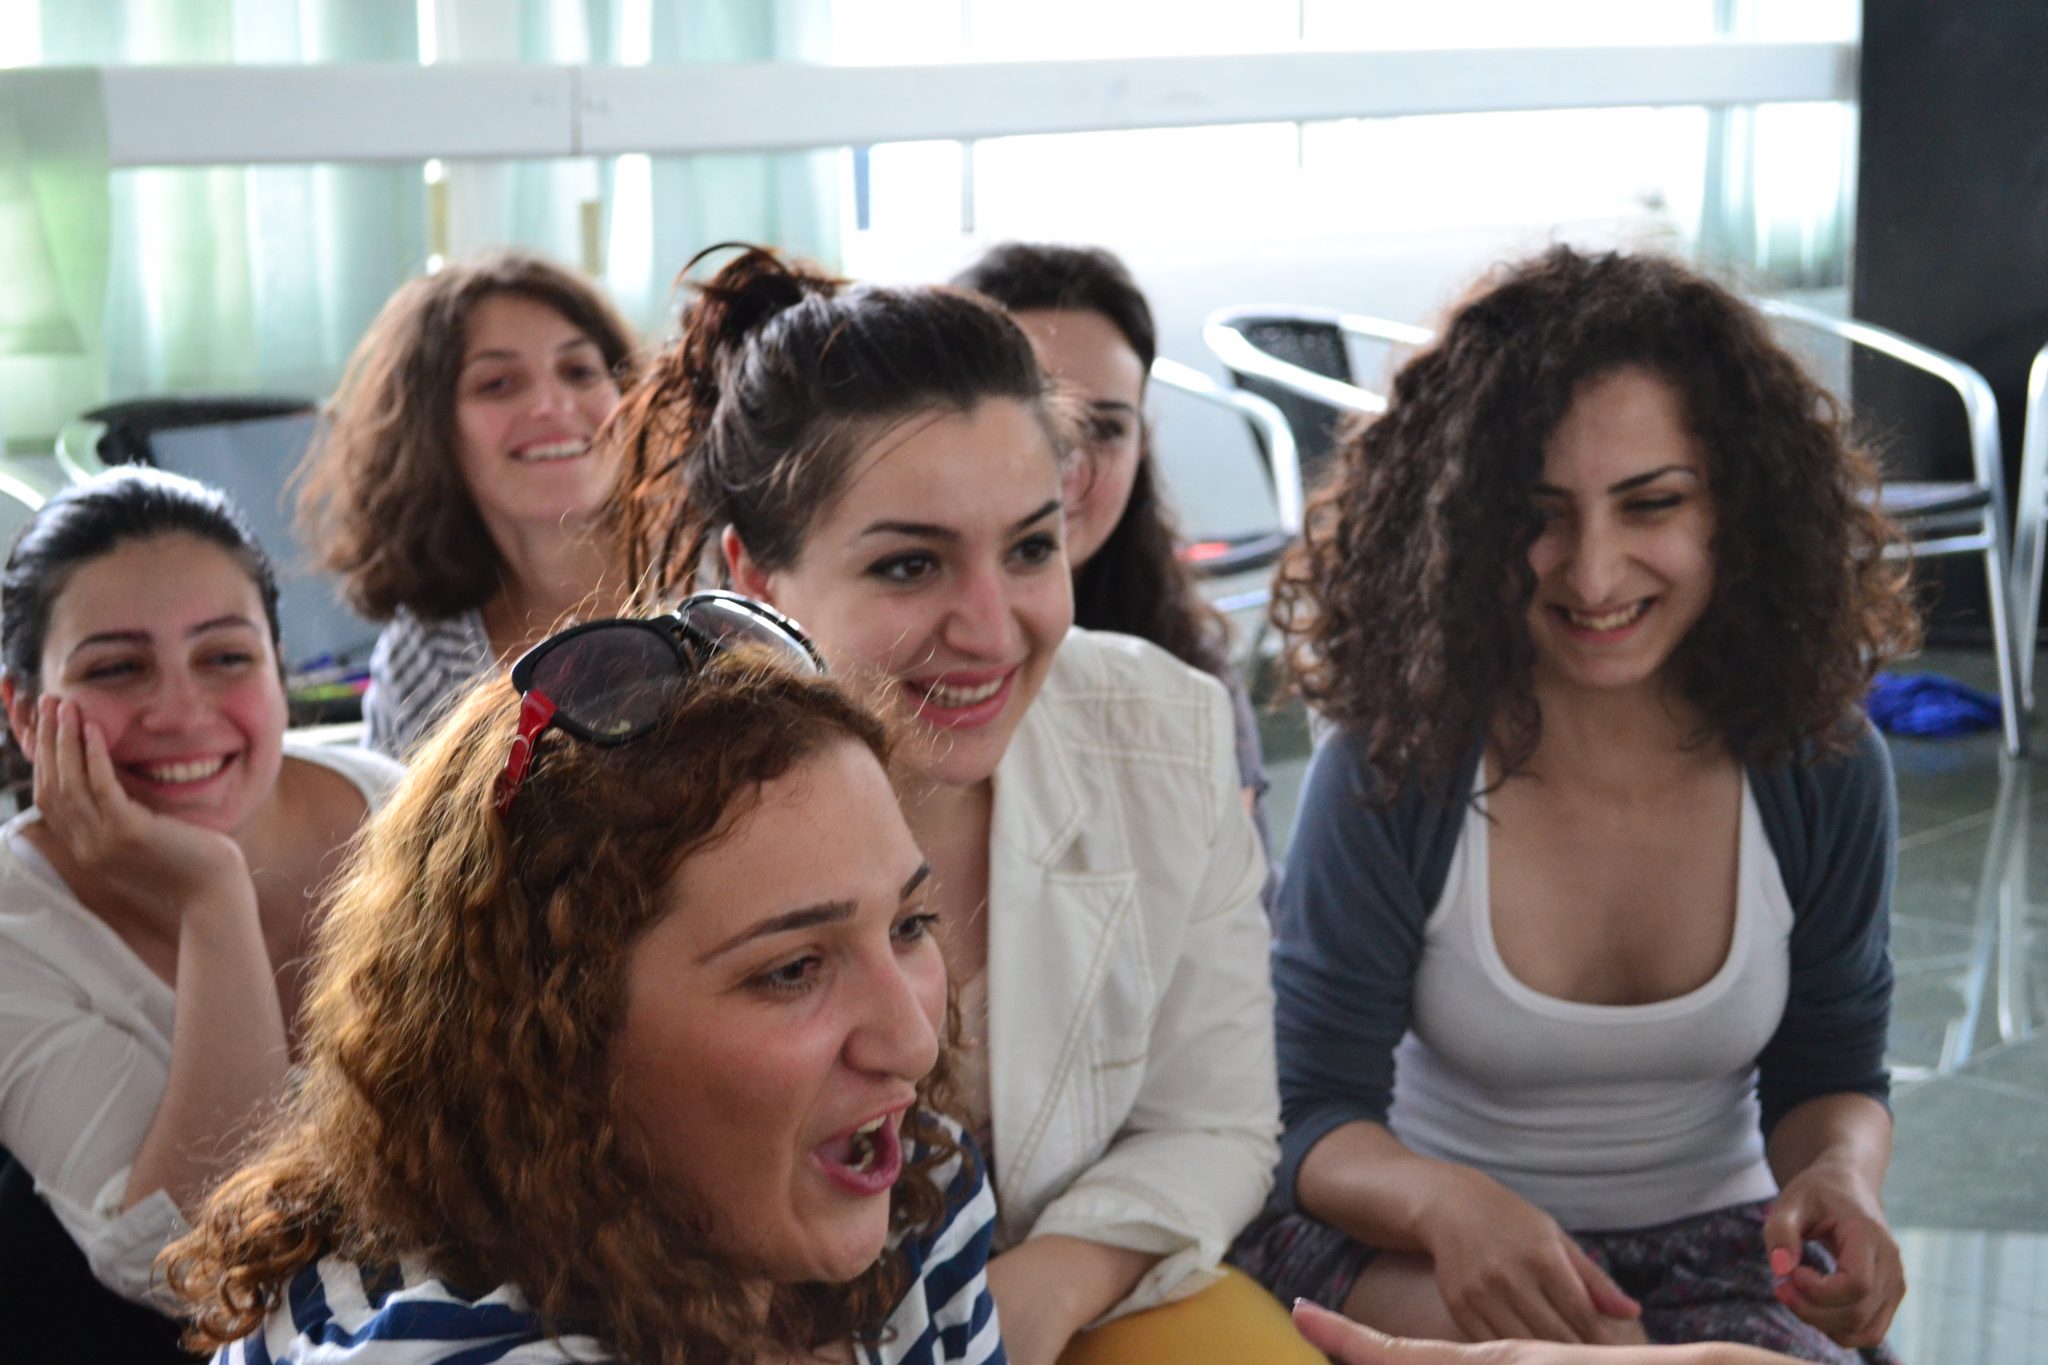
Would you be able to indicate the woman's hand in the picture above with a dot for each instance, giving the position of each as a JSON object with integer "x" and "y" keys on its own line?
{"x": 1349, "y": 1343}
{"x": 1828, "y": 1202}
{"x": 1506, "y": 1269}
{"x": 150, "y": 859}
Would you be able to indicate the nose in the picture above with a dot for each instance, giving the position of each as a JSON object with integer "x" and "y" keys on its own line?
{"x": 982, "y": 622}
{"x": 1594, "y": 561}
{"x": 893, "y": 1033}
{"x": 173, "y": 699}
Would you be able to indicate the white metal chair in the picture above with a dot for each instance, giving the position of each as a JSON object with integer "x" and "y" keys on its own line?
{"x": 1949, "y": 517}
{"x": 1216, "y": 556}
{"x": 1298, "y": 359}
{"x": 2028, "y": 540}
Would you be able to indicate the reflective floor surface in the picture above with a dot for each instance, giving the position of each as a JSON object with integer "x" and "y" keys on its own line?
{"x": 1968, "y": 1191}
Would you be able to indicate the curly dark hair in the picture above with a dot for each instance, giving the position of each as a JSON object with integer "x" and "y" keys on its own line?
{"x": 461, "y": 1099}
{"x": 1136, "y": 583}
{"x": 380, "y": 497}
{"x": 1403, "y": 607}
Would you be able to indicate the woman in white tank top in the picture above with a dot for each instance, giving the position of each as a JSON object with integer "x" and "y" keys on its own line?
{"x": 1580, "y": 959}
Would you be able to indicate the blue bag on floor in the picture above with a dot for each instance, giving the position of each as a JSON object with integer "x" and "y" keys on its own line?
{"x": 1930, "y": 706}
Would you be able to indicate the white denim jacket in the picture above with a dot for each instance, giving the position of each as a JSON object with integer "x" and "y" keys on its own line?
{"x": 1130, "y": 1011}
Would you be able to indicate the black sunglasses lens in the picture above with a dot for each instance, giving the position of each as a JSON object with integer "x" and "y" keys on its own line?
{"x": 610, "y": 682}
{"x": 731, "y": 624}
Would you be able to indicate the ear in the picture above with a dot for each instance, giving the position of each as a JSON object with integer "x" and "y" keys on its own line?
{"x": 21, "y": 712}
{"x": 747, "y": 576}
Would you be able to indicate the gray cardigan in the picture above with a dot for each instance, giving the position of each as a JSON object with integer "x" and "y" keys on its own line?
{"x": 1361, "y": 881}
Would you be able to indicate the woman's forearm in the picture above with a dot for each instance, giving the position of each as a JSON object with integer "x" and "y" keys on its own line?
{"x": 228, "y": 1051}
{"x": 1849, "y": 1131}
{"x": 1049, "y": 1287}
{"x": 1361, "y": 1179}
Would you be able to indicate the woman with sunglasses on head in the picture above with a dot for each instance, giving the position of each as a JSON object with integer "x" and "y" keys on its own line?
{"x": 156, "y": 900}
{"x": 1581, "y": 951}
{"x": 624, "y": 1043}
{"x": 1093, "y": 332}
{"x": 453, "y": 485}
{"x": 884, "y": 464}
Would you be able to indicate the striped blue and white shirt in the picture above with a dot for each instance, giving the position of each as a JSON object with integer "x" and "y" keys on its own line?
{"x": 417, "y": 670}
{"x": 336, "y": 1313}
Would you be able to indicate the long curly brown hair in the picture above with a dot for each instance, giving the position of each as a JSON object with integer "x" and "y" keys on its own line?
{"x": 460, "y": 1099}
{"x": 1403, "y": 607}
{"x": 380, "y": 497}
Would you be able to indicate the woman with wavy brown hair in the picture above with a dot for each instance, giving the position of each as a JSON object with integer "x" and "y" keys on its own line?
{"x": 623, "y": 1042}
{"x": 453, "y": 485}
{"x": 1581, "y": 958}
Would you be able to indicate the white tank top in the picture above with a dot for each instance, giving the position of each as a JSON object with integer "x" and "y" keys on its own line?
{"x": 1606, "y": 1116}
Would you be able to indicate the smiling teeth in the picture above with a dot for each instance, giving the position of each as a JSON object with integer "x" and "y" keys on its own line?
{"x": 952, "y": 698}
{"x": 560, "y": 450}
{"x": 196, "y": 771}
{"x": 1613, "y": 620}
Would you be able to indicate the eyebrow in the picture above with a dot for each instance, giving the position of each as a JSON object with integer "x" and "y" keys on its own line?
{"x": 931, "y": 531}
{"x": 810, "y": 917}
{"x": 1111, "y": 405}
{"x": 1627, "y": 485}
{"x": 501, "y": 354}
{"x": 142, "y": 637}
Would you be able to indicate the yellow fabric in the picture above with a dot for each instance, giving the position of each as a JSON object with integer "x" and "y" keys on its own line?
{"x": 1232, "y": 1322}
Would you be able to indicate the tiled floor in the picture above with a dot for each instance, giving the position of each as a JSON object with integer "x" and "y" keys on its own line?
{"x": 1968, "y": 1190}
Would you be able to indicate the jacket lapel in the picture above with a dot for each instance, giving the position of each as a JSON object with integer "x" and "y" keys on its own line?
{"x": 1060, "y": 888}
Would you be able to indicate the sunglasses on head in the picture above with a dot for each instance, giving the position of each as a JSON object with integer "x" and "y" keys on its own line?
{"x": 609, "y": 682}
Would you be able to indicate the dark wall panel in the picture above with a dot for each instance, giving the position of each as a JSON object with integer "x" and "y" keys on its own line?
{"x": 1952, "y": 227}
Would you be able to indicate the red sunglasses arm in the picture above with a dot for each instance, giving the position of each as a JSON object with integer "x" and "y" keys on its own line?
{"x": 536, "y": 713}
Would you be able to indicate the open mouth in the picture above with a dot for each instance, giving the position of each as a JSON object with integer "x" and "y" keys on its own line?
{"x": 185, "y": 773}
{"x": 867, "y": 1159}
{"x": 552, "y": 452}
{"x": 1605, "y": 622}
{"x": 961, "y": 703}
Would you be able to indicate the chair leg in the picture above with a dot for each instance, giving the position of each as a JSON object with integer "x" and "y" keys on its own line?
{"x": 2013, "y": 709}
{"x": 2028, "y": 552}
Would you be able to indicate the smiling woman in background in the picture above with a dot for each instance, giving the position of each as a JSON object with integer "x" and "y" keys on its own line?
{"x": 1094, "y": 334}
{"x": 453, "y": 487}
{"x": 156, "y": 901}
{"x": 623, "y": 1043}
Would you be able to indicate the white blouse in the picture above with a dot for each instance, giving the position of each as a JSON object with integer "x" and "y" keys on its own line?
{"x": 85, "y": 1047}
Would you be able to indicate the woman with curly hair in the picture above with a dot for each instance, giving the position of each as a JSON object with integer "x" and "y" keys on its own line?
{"x": 1581, "y": 959}
{"x": 452, "y": 487}
{"x": 1093, "y": 332}
{"x": 623, "y": 1042}
{"x": 886, "y": 465}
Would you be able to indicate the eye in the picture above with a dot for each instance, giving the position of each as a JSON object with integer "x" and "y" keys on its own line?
{"x": 793, "y": 977}
{"x": 1038, "y": 549}
{"x": 234, "y": 657}
{"x": 905, "y": 568}
{"x": 1106, "y": 430}
{"x": 107, "y": 670}
{"x": 494, "y": 386}
{"x": 914, "y": 929}
{"x": 1662, "y": 502}
{"x": 582, "y": 372}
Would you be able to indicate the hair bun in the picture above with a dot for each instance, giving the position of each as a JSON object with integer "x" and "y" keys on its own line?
{"x": 746, "y": 293}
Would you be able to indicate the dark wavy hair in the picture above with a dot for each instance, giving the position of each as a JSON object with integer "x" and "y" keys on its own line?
{"x": 1403, "y": 607}
{"x": 461, "y": 1099}
{"x": 781, "y": 377}
{"x": 1136, "y": 583}
{"x": 380, "y": 496}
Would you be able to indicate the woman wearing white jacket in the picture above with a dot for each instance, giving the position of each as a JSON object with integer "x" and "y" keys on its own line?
{"x": 886, "y": 466}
